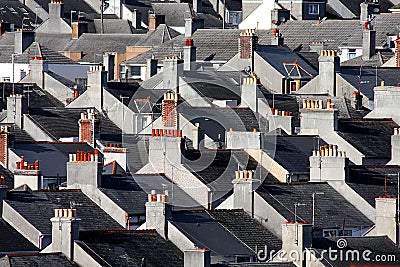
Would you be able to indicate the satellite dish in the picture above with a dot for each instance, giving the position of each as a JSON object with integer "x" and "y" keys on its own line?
{"x": 376, "y": 10}
{"x": 247, "y": 69}
{"x": 282, "y": 19}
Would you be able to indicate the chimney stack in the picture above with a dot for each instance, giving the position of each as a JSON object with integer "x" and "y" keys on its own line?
{"x": 84, "y": 168}
{"x": 96, "y": 81}
{"x": 189, "y": 56}
{"x": 199, "y": 257}
{"x": 165, "y": 148}
{"x": 318, "y": 47}
{"x": 277, "y": 38}
{"x": 368, "y": 41}
{"x": 368, "y": 8}
{"x": 250, "y": 92}
{"x": 151, "y": 67}
{"x": 56, "y": 9}
{"x": 114, "y": 152}
{"x": 296, "y": 237}
{"x": 4, "y": 143}
{"x": 158, "y": 211}
{"x": 248, "y": 41}
{"x": 22, "y": 40}
{"x": 315, "y": 119}
{"x": 87, "y": 126}
{"x": 28, "y": 174}
{"x": 38, "y": 66}
{"x": 328, "y": 164}
{"x": 329, "y": 66}
{"x": 155, "y": 20}
{"x": 78, "y": 28}
{"x": 17, "y": 106}
{"x": 137, "y": 19}
{"x": 385, "y": 222}
{"x": 65, "y": 230}
{"x": 243, "y": 191}
{"x": 172, "y": 70}
{"x": 192, "y": 25}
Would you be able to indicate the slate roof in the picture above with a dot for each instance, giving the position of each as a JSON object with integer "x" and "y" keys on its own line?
{"x": 19, "y": 242}
{"x": 35, "y": 49}
{"x": 37, "y": 97}
{"x": 69, "y": 5}
{"x": 113, "y": 26}
{"x": 222, "y": 85}
{"x": 332, "y": 32}
{"x": 63, "y": 122}
{"x": 369, "y": 181}
{"x": 247, "y": 229}
{"x": 216, "y": 168}
{"x": 40, "y": 259}
{"x": 293, "y": 152}
{"x": 130, "y": 193}
{"x": 15, "y": 11}
{"x": 377, "y": 245}
{"x": 370, "y": 78}
{"x": 138, "y": 146}
{"x": 331, "y": 209}
{"x": 205, "y": 231}
{"x": 376, "y": 60}
{"x": 20, "y": 136}
{"x": 280, "y": 56}
{"x": 212, "y": 45}
{"x": 162, "y": 34}
{"x": 38, "y": 209}
{"x": 369, "y": 136}
{"x": 53, "y": 41}
{"x": 311, "y": 58}
{"x": 53, "y": 157}
{"x": 129, "y": 248}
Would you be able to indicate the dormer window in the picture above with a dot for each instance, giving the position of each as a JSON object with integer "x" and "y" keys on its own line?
{"x": 313, "y": 9}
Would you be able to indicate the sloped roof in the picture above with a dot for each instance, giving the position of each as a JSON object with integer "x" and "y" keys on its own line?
{"x": 370, "y": 77}
{"x": 284, "y": 60}
{"x": 248, "y": 230}
{"x": 113, "y": 26}
{"x": 77, "y": 5}
{"x": 130, "y": 248}
{"x": 15, "y": 11}
{"x": 369, "y": 181}
{"x": 293, "y": 152}
{"x": 40, "y": 259}
{"x": 162, "y": 34}
{"x": 331, "y": 208}
{"x": 204, "y": 231}
{"x": 53, "y": 157}
{"x": 369, "y": 136}
{"x": 354, "y": 6}
{"x": 38, "y": 209}
{"x": 19, "y": 242}
{"x": 63, "y": 122}
{"x": 376, "y": 245}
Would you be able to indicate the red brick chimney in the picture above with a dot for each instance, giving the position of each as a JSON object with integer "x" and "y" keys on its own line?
{"x": 86, "y": 126}
{"x": 247, "y": 44}
{"x": 169, "y": 114}
{"x": 4, "y": 142}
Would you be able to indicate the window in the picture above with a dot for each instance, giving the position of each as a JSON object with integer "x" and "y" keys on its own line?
{"x": 313, "y": 9}
{"x": 135, "y": 71}
{"x": 352, "y": 53}
{"x": 330, "y": 232}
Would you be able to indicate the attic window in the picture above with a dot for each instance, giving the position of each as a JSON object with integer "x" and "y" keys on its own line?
{"x": 313, "y": 9}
